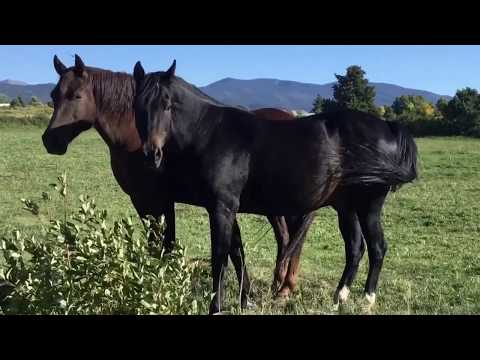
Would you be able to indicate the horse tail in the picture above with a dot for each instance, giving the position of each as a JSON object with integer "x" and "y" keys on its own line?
{"x": 380, "y": 164}
{"x": 407, "y": 155}
{"x": 297, "y": 230}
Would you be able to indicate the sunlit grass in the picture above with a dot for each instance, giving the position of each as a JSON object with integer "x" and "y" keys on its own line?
{"x": 432, "y": 227}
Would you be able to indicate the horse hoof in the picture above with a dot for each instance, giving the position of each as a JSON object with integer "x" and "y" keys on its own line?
{"x": 284, "y": 293}
{"x": 281, "y": 300}
{"x": 340, "y": 298}
{"x": 222, "y": 313}
{"x": 369, "y": 303}
{"x": 250, "y": 305}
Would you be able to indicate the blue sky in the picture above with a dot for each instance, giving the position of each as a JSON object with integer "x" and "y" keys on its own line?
{"x": 440, "y": 69}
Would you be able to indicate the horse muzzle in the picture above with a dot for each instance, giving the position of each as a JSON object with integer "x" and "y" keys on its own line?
{"x": 53, "y": 145}
{"x": 153, "y": 155}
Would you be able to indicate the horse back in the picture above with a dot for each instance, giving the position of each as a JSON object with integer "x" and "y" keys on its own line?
{"x": 274, "y": 114}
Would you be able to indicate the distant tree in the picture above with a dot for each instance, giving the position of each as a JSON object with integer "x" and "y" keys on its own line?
{"x": 388, "y": 114}
{"x": 17, "y": 102}
{"x": 353, "y": 92}
{"x": 381, "y": 111}
{"x": 350, "y": 92}
{"x": 35, "y": 101}
{"x": 412, "y": 108}
{"x": 318, "y": 105}
{"x": 403, "y": 104}
{"x": 324, "y": 105}
{"x": 442, "y": 105}
{"x": 50, "y": 104}
{"x": 330, "y": 105}
{"x": 463, "y": 112}
{"x": 421, "y": 117}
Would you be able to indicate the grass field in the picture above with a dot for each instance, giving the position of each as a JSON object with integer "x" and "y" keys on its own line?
{"x": 38, "y": 115}
{"x": 432, "y": 227}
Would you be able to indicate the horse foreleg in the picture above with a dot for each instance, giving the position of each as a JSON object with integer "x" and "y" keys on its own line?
{"x": 147, "y": 206}
{"x": 237, "y": 256}
{"x": 222, "y": 219}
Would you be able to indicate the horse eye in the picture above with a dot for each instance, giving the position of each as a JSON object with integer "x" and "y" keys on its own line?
{"x": 77, "y": 96}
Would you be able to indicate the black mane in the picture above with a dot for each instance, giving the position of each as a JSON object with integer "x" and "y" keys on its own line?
{"x": 150, "y": 89}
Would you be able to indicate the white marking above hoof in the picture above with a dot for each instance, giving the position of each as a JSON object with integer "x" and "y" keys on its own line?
{"x": 370, "y": 302}
{"x": 370, "y": 298}
{"x": 340, "y": 297}
{"x": 222, "y": 313}
{"x": 343, "y": 294}
{"x": 251, "y": 305}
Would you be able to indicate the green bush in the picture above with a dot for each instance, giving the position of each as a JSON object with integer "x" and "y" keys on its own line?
{"x": 426, "y": 127}
{"x": 17, "y": 102}
{"x": 85, "y": 264}
{"x": 35, "y": 101}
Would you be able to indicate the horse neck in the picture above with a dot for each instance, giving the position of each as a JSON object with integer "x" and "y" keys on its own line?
{"x": 115, "y": 121}
{"x": 119, "y": 131}
{"x": 194, "y": 120}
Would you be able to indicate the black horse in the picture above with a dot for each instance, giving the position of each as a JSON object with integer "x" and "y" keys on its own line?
{"x": 227, "y": 161}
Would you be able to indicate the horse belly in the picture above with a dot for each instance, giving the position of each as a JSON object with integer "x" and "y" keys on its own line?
{"x": 288, "y": 195}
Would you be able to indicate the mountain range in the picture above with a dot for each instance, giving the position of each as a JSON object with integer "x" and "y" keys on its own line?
{"x": 252, "y": 94}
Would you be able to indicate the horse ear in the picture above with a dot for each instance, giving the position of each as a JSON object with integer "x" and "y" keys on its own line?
{"x": 171, "y": 71}
{"x": 59, "y": 67}
{"x": 79, "y": 65}
{"x": 138, "y": 72}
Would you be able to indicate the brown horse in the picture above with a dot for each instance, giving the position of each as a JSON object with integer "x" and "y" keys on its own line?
{"x": 285, "y": 276}
{"x": 88, "y": 97}
{"x": 274, "y": 114}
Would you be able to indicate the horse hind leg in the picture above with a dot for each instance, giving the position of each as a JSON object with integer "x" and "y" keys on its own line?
{"x": 354, "y": 249}
{"x": 282, "y": 237}
{"x": 298, "y": 228}
{"x": 369, "y": 214}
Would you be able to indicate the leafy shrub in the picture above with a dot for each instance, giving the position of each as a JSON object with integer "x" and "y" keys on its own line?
{"x": 35, "y": 101}
{"x": 427, "y": 127}
{"x": 17, "y": 102}
{"x": 85, "y": 264}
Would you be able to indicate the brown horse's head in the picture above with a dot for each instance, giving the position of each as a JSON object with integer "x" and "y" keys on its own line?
{"x": 74, "y": 106}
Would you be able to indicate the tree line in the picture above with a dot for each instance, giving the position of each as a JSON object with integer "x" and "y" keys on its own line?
{"x": 459, "y": 116}
{"x": 18, "y": 102}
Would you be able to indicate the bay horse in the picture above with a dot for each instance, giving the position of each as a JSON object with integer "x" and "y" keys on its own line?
{"x": 86, "y": 97}
{"x": 274, "y": 114}
{"x": 225, "y": 160}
